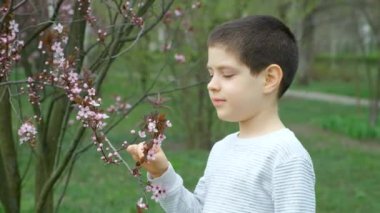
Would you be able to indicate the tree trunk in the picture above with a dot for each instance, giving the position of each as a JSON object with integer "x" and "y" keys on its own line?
{"x": 374, "y": 107}
{"x": 306, "y": 47}
{"x": 47, "y": 152}
{"x": 48, "y": 146}
{"x": 10, "y": 191}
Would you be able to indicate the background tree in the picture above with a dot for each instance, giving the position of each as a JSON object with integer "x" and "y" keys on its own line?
{"x": 78, "y": 39}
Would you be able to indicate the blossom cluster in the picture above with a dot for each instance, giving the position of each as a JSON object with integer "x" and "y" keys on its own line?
{"x": 178, "y": 14}
{"x": 157, "y": 191}
{"x": 27, "y": 133}
{"x": 85, "y": 5}
{"x": 78, "y": 87}
{"x": 180, "y": 58}
{"x": 119, "y": 106}
{"x": 153, "y": 135}
{"x": 129, "y": 13}
{"x": 10, "y": 46}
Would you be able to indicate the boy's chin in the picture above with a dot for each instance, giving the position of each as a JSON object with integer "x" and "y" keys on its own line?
{"x": 226, "y": 118}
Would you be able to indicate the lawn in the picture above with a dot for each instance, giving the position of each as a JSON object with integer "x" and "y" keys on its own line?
{"x": 346, "y": 76}
{"x": 347, "y": 170}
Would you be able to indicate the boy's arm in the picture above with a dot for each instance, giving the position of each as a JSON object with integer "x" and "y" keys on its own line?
{"x": 160, "y": 172}
{"x": 293, "y": 186}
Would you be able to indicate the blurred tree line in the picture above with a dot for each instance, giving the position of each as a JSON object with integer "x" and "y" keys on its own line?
{"x": 336, "y": 29}
{"x": 171, "y": 54}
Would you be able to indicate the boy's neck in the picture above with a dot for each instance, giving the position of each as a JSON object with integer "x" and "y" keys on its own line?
{"x": 263, "y": 123}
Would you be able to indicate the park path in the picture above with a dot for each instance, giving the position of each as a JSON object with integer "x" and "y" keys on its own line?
{"x": 369, "y": 145}
{"x": 332, "y": 98}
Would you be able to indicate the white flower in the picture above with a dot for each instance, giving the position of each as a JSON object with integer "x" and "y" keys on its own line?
{"x": 27, "y": 132}
{"x": 142, "y": 134}
{"x": 40, "y": 45}
{"x": 177, "y": 12}
{"x": 56, "y": 47}
{"x": 58, "y": 28}
{"x": 180, "y": 58}
{"x": 141, "y": 204}
{"x": 91, "y": 91}
{"x": 152, "y": 127}
{"x": 13, "y": 26}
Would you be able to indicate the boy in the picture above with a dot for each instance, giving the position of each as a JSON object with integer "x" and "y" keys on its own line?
{"x": 263, "y": 167}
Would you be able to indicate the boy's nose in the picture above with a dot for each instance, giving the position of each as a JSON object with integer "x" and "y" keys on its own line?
{"x": 213, "y": 85}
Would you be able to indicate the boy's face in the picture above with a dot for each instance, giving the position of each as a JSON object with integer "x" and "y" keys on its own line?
{"x": 236, "y": 93}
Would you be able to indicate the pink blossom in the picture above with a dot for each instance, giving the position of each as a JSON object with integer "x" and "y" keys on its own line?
{"x": 152, "y": 126}
{"x": 196, "y": 5}
{"x": 91, "y": 92}
{"x": 142, "y": 134}
{"x": 13, "y": 26}
{"x": 27, "y": 133}
{"x": 180, "y": 58}
{"x": 141, "y": 204}
{"x": 57, "y": 47}
{"x": 76, "y": 90}
{"x": 9, "y": 52}
{"x": 178, "y": 12}
{"x": 151, "y": 155}
{"x": 94, "y": 103}
{"x": 58, "y": 28}
{"x": 73, "y": 77}
{"x": 40, "y": 45}
{"x": 157, "y": 191}
{"x": 91, "y": 118}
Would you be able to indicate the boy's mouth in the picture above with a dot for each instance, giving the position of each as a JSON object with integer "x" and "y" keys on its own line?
{"x": 217, "y": 101}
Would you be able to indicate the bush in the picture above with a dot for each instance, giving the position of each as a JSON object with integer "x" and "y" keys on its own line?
{"x": 352, "y": 126}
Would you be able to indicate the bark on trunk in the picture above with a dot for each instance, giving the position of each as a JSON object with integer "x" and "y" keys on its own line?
{"x": 9, "y": 173}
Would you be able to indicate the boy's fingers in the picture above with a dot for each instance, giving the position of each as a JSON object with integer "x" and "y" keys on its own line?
{"x": 133, "y": 151}
{"x": 140, "y": 150}
{"x": 136, "y": 150}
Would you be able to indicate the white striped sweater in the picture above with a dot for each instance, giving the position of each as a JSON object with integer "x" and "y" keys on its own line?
{"x": 269, "y": 173}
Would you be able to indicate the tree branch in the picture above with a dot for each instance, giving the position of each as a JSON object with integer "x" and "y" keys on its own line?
{"x": 47, "y": 25}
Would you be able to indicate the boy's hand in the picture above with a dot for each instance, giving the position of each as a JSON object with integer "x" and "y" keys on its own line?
{"x": 155, "y": 167}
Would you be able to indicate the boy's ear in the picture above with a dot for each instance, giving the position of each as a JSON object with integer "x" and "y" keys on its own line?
{"x": 273, "y": 77}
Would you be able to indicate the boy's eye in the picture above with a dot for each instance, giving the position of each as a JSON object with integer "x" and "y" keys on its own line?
{"x": 228, "y": 76}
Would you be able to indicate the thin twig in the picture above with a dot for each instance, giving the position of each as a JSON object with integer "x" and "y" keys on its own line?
{"x": 62, "y": 133}
{"x": 18, "y": 5}
{"x": 119, "y": 156}
{"x": 130, "y": 46}
{"x": 52, "y": 19}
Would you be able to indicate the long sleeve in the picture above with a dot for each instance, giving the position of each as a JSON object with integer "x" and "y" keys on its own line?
{"x": 178, "y": 198}
{"x": 293, "y": 186}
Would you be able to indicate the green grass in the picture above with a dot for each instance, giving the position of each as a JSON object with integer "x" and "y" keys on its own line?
{"x": 347, "y": 174}
{"x": 96, "y": 187}
{"x": 342, "y": 76}
{"x": 347, "y": 178}
{"x": 346, "y": 120}
{"x": 336, "y": 86}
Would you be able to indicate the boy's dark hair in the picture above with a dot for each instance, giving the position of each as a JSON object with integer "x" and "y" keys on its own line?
{"x": 260, "y": 41}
